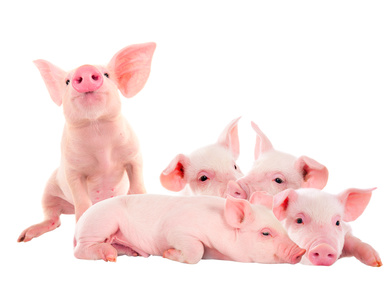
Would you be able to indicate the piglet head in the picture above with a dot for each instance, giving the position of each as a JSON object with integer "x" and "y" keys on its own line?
{"x": 259, "y": 236}
{"x": 275, "y": 171}
{"x": 90, "y": 92}
{"x": 315, "y": 220}
{"x": 208, "y": 170}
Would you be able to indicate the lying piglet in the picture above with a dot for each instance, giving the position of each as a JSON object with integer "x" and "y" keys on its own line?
{"x": 274, "y": 171}
{"x": 207, "y": 170}
{"x": 316, "y": 221}
{"x": 100, "y": 155}
{"x": 185, "y": 229}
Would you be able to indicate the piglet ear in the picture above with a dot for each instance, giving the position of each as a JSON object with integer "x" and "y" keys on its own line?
{"x": 229, "y": 138}
{"x": 262, "y": 198}
{"x": 263, "y": 144}
{"x": 315, "y": 174}
{"x": 281, "y": 202}
{"x": 355, "y": 202}
{"x": 173, "y": 177}
{"x": 238, "y": 212}
{"x": 130, "y": 68}
{"x": 54, "y": 79}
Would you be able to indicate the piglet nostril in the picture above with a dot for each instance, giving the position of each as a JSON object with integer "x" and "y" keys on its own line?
{"x": 322, "y": 255}
{"x": 87, "y": 78}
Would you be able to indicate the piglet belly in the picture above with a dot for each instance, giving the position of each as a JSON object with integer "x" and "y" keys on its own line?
{"x": 108, "y": 187}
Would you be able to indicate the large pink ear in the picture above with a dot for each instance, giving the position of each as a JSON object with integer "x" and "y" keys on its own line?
{"x": 263, "y": 144}
{"x": 315, "y": 174}
{"x": 281, "y": 202}
{"x": 355, "y": 202}
{"x": 173, "y": 177}
{"x": 130, "y": 68}
{"x": 262, "y": 198}
{"x": 238, "y": 212}
{"x": 229, "y": 138}
{"x": 54, "y": 79}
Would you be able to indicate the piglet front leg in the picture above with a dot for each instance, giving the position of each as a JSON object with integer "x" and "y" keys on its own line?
{"x": 78, "y": 185}
{"x": 134, "y": 171}
{"x": 360, "y": 250}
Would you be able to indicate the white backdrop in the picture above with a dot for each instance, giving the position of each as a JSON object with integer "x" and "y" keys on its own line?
{"x": 315, "y": 76}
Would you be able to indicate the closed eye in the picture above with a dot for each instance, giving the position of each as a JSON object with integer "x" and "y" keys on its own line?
{"x": 266, "y": 233}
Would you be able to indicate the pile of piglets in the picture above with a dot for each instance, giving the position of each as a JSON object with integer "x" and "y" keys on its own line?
{"x": 276, "y": 213}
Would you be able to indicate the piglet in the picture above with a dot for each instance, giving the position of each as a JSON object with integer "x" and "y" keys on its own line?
{"x": 185, "y": 229}
{"x": 317, "y": 222}
{"x": 100, "y": 156}
{"x": 207, "y": 170}
{"x": 274, "y": 171}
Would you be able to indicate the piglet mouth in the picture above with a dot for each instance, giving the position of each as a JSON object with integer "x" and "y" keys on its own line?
{"x": 97, "y": 95}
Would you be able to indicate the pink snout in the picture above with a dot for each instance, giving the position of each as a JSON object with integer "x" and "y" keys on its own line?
{"x": 87, "y": 78}
{"x": 322, "y": 255}
{"x": 297, "y": 256}
{"x": 236, "y": 190}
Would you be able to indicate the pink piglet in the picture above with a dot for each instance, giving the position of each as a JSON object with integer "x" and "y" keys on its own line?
{"x": 317, "y": 222}
{"x": 100, "y": 156}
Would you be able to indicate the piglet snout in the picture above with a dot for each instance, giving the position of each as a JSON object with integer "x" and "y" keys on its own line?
{"x": 87, "y": 78}
{"x": 322, "y": 255}
{"x": 297, "y": 256}
{"x": 236, "y": 190}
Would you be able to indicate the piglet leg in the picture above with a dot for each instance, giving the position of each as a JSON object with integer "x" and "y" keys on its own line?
{"x": 53, "y": 206}
{"x": 78, "y": 185}
{"x": 360, "y": 250}
{"x": 185, "y": 250}
{"x": 135, "y": 175}
{"x": 96, "y": 251}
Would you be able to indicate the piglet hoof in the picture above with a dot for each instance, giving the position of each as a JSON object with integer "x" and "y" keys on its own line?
{"x": 38, "y": 229}
{"x": 369, "y": 256}
{"x": 174, "y": 254}
{"x": 111, "y": 259}
{"x": 107, "y": 252}
{"x": 96, "y": 251}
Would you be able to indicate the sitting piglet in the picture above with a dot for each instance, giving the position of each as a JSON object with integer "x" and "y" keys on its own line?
{"x": 316, "y": 221}
{"x": 185, "y": 229}
{"x": 207, "y": 170}
{"x": 100, "y": 156}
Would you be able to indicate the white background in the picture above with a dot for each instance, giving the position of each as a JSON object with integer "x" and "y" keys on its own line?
{"x": 315, "y": 76}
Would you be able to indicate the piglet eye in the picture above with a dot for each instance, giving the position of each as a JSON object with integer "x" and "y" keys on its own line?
{"x": 299, "y": 221}
{"x": 203, "y": 178}
{"x": 337, "y": 223}
{"x": 278, "y": 180}
{"x": 235, "y": 166}
{"x": 266, "y": 234}
{"x": 67, "y": 82}
{"x": 106, "y": 74}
